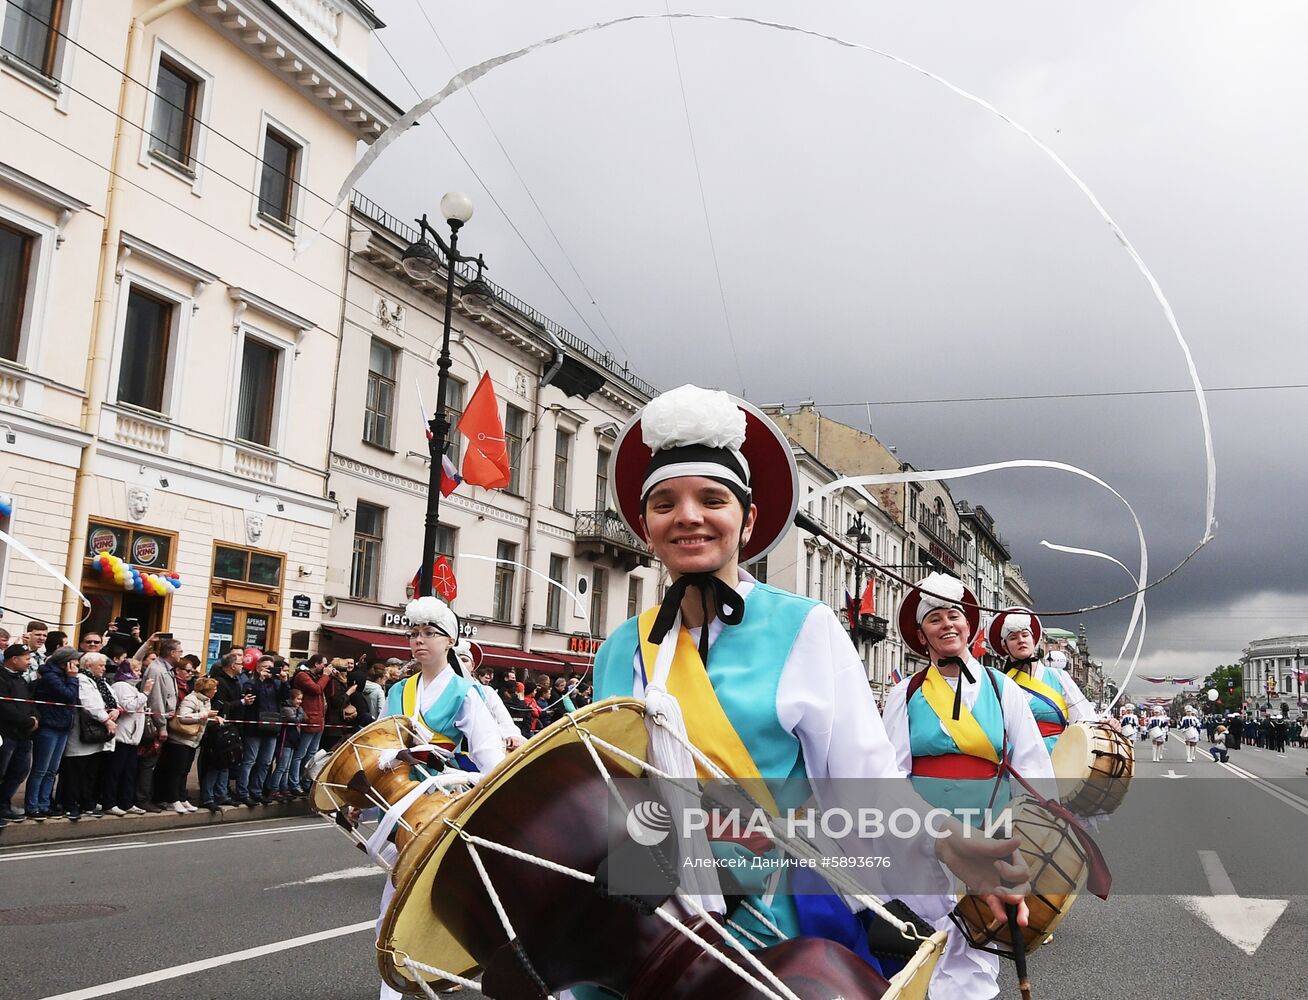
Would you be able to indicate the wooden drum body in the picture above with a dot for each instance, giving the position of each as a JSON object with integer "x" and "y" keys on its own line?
{"x": 1093, "y": 763}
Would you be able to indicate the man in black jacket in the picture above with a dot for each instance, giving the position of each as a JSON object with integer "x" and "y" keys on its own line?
{"x": 18, "y": 721}
{"x": 228, "y": 702}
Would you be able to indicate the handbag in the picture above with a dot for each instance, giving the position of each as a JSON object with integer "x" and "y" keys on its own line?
{"x": 184, "y": 730}
{"x": 90, "y": 729}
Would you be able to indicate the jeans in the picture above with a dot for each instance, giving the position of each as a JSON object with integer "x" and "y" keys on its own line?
{"x": 260, "y": 746}
{"x": 306, "y": 745}
{"x": 47, "y": 750}
{"x": 15, "y": 761}
{"x": 214, "y": 786}
{"x": 281, "y": 778}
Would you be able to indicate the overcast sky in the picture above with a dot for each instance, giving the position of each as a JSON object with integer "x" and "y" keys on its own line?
{"x": 879, "y": 239}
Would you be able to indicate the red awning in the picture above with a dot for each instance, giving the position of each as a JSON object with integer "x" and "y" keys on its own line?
{"x": 578, "y": 663}
{"x": 388, "y": 643}
{"x": 508, "y": 658}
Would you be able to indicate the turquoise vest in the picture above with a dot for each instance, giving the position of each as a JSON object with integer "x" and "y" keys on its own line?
{"x": 1045, "y": 712}
{"x": 927, "y": 738}
{"x": 745, "y": 665}
{"x": 440, "y": 717}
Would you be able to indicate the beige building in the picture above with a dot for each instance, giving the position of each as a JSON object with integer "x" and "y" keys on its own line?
{"x": 562, "y": 404}
{"x": 809, "y": 564}
{"x": 166, "y": 362}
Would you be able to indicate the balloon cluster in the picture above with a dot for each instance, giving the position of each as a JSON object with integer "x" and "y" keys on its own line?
{"x": 127, "y": 576}
{"x": 6, "y": 507}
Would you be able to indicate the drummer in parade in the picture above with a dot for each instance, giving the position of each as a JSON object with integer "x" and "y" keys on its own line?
{"x": 1189, "y": 726}
{"x": 1054, "y": 696}
{"x": 765, "y": 682}
{"x": 1157, "y": 728}
{"x": 1130, "y": 722}
{"x": 444, "y": 704}
{"x": 952, "y": 723}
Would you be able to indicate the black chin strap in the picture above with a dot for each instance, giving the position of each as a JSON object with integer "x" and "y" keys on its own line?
{"x": 726, "y": 604}
{"x": 958, "y": 691}
{"x": 1017, "y": 666}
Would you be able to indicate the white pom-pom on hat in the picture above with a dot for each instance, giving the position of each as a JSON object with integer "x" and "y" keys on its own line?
{"x": 1014, "y": 623}
{"x": 433, "y": 611}
{"x": 690, "y": 415}
{"x": 939, "y": 590}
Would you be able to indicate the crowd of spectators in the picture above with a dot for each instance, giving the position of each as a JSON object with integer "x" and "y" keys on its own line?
{"x": 123, "y": 726}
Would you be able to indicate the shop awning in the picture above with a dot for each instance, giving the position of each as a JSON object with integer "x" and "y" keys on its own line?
{"x": 387, "y": 643}
{"x": 577, "y": 663}
{"x": 508, "y": 658}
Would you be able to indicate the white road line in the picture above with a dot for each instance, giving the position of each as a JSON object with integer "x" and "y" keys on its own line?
{"x": 1291, "y": 800}
{"x": 1218, "y": 881}
{"x": 190, "y": 968}
{"x": 97, "y": 848}
{"x": 362, "y": 871}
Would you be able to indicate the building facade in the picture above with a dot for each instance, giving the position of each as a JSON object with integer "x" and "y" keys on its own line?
{"x": 544, "y": 568}
{"x": 166, "y": 360}
{"x": 1273, "y": 672}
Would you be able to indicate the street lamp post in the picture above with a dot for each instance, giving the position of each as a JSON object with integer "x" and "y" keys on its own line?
{"x": 422, "y": 263}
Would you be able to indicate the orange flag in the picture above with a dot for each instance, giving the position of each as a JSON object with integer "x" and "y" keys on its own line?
{"x": 979, "y": 645}
{"x": 868, "y": 605}
{"x": 486, "y": 462}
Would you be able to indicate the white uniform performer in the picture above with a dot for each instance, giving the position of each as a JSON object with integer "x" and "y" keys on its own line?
{"x": 1190, "y": 731}
{"x": 431, "y": 699}
{"x": 469, "y": 654}
{"x": 1158, "y": 724}
{"x": 1130, "y": 722}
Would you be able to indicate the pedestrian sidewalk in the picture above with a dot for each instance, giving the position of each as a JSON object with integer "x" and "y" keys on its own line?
{"x": 55, "y": 830}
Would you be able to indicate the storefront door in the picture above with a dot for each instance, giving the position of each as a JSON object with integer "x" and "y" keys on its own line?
{"x": 231, "y": 628}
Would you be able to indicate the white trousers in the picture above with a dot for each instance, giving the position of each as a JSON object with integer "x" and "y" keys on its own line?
{"x": 388, "y": 890}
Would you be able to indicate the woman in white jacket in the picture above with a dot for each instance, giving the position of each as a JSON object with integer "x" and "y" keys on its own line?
{"x": 132, "y": 695}
{"x": 80, "y": 769}
{"x": 185, "y": 730}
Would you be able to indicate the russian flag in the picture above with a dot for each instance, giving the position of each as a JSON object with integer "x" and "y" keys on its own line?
{"x": 450, "y": 477}
{"x": 895, "y": 676}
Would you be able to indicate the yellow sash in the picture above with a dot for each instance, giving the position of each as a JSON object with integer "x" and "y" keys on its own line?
{"x": 707, "y": 725}
{"x": 1040, "y": 688}
{"x": 409, "y": 697}
{"x": 965, "y": 730}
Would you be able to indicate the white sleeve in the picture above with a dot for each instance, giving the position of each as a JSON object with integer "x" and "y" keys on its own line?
{"x": 1079, "y": 707}
{"x": 89, "y": 697}
{"x": 1027, "y": 747}
{"x": 897, "y": 725}
{"x": 474, "y": 721}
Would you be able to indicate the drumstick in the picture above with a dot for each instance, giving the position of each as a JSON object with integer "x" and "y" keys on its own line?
{"x": 1019, "y": 950}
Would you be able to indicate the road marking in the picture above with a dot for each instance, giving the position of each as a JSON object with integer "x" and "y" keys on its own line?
{"x": 1243, "y": 922}
{"x": 363, "y": 871}
{"x": 1172, "y": 774}
{"x": 190, "y": 968}
{"x": 1290, "y": 799}
{"x": 136, "y": 845}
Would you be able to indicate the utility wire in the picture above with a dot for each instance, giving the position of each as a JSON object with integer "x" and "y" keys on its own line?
{"x": 536, "y": 205}
{"x": 1046, "y": 396}
{"x": 703, "y": 201}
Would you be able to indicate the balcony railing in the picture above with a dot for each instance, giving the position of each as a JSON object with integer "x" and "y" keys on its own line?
{"x": 601, "y": 535}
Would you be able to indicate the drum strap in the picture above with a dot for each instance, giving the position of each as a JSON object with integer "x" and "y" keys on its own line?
{"x": 965, "y": 731}
{"x": 1041, "y": 690}
{"x": 377, "y": 842}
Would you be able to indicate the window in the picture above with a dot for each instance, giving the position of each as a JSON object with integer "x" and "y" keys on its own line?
{"x": 562, "y": 447}
{"x": 31, "y": 32}
{"x": 514, "y": 418}
{"x": 808, "y": 574}
{"x": 277, "y": 182}
{"x": 445, "y": 543}
{"x": 633, "y": 596}
{"x": 379, "y": 405}
{"x": 505, "y": 572}
{"x": 177, "y": 95}
{"x": 262, "y": 569}
{"x": 599, "y": 585}
{"x": 144, "y": 366}
{"x": 258, "y": 396}
{"x": 602, "y": 480}
{"x": 758, "y": 569}
{"x": 453, "y": 410}
{"x": 15, "y": 268}
{"x": 554, "y": 599}
{"x": 365, "y": 567}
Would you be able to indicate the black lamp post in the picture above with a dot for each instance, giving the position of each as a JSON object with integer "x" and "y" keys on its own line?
{"x": 858, "y": 532}
{"x": 422, "y": 263}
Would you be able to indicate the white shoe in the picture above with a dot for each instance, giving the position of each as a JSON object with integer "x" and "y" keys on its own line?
{"x": 136, "y": 811}
{"x": 115, "y": 811}
{"x": 180, "y": 808}
{"x": 190, "y": 808}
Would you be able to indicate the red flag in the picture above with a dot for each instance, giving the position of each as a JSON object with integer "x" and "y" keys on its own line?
{"x": 868, "y": 606}
{"x": 979, "y": 645}
{"x": 442, "y": 580}
{"x": 450, "y": 477}
{"x": 487, "y": 460}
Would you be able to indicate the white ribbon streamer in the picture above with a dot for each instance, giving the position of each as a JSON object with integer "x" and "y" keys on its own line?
{"x": 19, "y": 547}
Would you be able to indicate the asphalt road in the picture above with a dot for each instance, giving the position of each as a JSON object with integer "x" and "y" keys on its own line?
{"x": 82, "y": 920}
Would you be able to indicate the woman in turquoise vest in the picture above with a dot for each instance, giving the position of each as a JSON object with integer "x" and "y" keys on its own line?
{"x": 1054, "y": 697}
{"x": 764, "y": 682}
{"x": 951, "y": 723}
{"x": 446, "y": 707}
